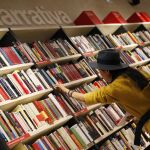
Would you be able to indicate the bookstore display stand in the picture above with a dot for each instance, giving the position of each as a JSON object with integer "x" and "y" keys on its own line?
{"x": 8, "y": 37}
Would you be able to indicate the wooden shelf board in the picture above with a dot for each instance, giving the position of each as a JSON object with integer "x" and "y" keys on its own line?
{"x": 140, "y": 63}
{"x": 43, "y": 63}
{"x": 129, "y": 47}
{"x": 67, "y": 58}
{"x": 80, "y": 81}
{"x": 9, "y": 104}
{"x": 9, "y": 69}
{"x": 92, "y": 107}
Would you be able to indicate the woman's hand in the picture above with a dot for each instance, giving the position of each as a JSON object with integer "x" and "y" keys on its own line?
{"x": 61, "y": 88}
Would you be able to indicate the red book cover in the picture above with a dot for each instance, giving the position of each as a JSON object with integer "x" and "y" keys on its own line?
{"x": 71, "y": 71}
{"x": 63, "y": 105}
{"x": 11, "y": 55}
{"x": 114, "y": 17}
{"x": 136, "y": 17}
{"x": 82, "y": 91}
{"x": 20, "y": 83}
{"x": 66, "y": 72}
{"x": 39, "y": 51}
{"x": 51, "y": 49}
{"x": 4, "y": 93}
{"x": 96, "y": 84}
{"x": 75, "y": 71}
{"x": 87, "y": 18}
{"x": 41, "y": 108}
{"x": 36, "y": 146}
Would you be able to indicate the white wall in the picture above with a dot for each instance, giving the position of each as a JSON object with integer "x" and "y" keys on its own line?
{"x": 74, "y": 7}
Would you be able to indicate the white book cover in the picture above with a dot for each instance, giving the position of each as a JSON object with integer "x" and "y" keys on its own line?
{"x": 21, "y": 122}
{"x": 35, "y": 80}
{"x": 31, "y": 114}
{"x": 113, "y": 114}
{"x": 99, "y": 112}
{"x": 28, "y": 79}
{"x": 51, "y": 96}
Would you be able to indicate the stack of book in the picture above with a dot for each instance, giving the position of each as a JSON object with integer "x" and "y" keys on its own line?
{"x": 82, "y": 134}
{"x": 21, "y": 83}
{"x": 123, "y": 39}
{"x": 138, "y": 54}
{"x": 12, "y": 56}
{"x": 43, "y": 51}
{"x": 124, "y": 139}
{"x": 90, "y": 43}
{"x": 141, "y": 36}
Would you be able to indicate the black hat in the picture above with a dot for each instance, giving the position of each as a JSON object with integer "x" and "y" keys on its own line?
{"x": 108, "y": 60}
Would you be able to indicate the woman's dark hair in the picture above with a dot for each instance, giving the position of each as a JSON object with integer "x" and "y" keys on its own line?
{"x": 134, "y": 74}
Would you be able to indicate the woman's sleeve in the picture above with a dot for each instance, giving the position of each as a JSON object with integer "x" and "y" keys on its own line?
{"x": 102, "y": 95}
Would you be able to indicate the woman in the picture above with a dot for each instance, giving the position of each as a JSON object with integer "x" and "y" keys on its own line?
{"x": 126, "y": 86}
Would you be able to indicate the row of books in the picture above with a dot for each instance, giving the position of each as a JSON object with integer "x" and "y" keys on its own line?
{"x": 21, "y": 83}
{"x": 129, "y": 38}
{"x": 145, "y": 68}
{"x": 96, "y": 42}
{"x": 29, "y": 117}
{"x": 12, "y": 56}
{"x": 141, "y": 36}
{"x": 64, "y": 73}
{"x": 80, "y": 135}
{"x": 90, "y": 43}
{"x": 138, "y": 54}
{"x": 124, "y": 139}
{"x": 43, "y": 51}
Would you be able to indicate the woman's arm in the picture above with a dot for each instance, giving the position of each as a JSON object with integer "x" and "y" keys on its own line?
{"x": 76, "y": 95}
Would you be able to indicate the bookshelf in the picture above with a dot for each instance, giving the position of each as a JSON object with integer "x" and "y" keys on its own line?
{"x": 30, "y": 34}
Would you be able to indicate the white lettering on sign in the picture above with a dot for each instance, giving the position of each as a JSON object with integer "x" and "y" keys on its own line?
{"x": 37, "y": 16}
